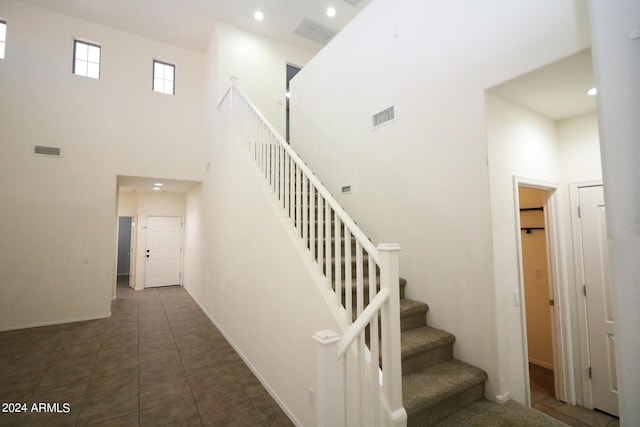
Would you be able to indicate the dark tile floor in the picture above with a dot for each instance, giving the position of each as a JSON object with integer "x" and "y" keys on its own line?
{"x": 157, "y": 361}
{"x": 542, "y": 399}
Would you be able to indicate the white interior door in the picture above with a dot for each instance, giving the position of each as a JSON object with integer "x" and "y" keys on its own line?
{"x": 599, "y": 299}
{"x": 163, "y": 252}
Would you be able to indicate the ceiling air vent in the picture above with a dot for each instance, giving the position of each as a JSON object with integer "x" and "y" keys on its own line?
{"x": 384, "y": 116}
{"x": 315, "y": 31}
{"x": 42, "y": 150}
{"x": 353, "y": 2}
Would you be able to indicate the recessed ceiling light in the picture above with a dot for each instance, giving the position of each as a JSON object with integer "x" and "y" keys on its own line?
{"x": 158, "y": 184}
{"x": 593, "y": 91}
{"x": 156, "y": 188}
{"x": 331, "y": 12}
{"x": 258, "y": 15}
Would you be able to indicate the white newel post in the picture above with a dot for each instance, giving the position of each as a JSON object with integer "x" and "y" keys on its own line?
{"x": 388, "y": 254}
{"x": 327, "y": 378}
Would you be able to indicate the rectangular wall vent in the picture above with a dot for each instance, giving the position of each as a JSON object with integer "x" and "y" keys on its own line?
{"x": 384, "y": 116}
{"x": 353, "y": 2}
{"x": 43, "y": 150}
{"x": 346, "y": 189}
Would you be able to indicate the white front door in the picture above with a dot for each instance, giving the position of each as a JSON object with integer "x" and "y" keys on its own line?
{"x": 599, "y": 299}
{"x": 163, "y": 252}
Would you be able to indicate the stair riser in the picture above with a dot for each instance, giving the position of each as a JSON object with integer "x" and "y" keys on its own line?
{"x": 430, "y": 416}
{"x": 413, "y": 321}
{"x": 424, "y": 360}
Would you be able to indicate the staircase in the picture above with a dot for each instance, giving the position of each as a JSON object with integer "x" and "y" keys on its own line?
{"x": 434, "y": 384}
{"x": 361, "y": 283}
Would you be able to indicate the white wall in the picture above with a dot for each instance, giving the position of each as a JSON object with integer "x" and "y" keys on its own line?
{"x": 536, "y": 149}
{"x": 251, "y": 279}
{"x": 240, "y": 263}
{"x": 579, "y": 148}
{"x": 58, "y": 222}
{"x": 521, "y": 143}
{"x": 617, "y": 66}
{"x": 425, "y": 176}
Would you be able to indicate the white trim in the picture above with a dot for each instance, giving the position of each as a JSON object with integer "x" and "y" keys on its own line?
{"x": 56, "y": 322}
{"x": 561, "y": 332}
{"x": 583, "y": 382}
{"x": 499, "y": 398}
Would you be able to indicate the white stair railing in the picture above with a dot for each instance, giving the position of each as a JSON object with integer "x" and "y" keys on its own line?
{"x": 351, "y": 387}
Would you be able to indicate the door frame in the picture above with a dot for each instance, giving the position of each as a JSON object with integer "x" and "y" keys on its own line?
{"x": 583, "y": 382}
{"x": 561, "y": 331}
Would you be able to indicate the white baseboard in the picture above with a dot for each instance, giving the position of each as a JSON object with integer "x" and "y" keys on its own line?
{"x": 498, "y": 398}
{"x": 54, "y": 322}
{"x": 541, "y": 363}
{"x": 273, "y": 394}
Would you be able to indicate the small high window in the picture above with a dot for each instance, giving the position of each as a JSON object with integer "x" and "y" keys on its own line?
{"x": 164, "y": 77}
{"x": 86, "y": 59}
{"x": 3, "y": 38}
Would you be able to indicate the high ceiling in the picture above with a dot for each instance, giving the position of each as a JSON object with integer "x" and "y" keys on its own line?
{"x": 556, "y": 91}
{"x": 188, "y": 23}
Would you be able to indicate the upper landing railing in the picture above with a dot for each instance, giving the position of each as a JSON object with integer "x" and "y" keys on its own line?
{"x": 363, "y": 279}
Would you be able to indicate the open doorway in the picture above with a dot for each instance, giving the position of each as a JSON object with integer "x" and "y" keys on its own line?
{"x": 546, "y": 359}
{"x": 292, "y": 70}
{"x": 125, "y": 249}
{"x": 538, "y": 294}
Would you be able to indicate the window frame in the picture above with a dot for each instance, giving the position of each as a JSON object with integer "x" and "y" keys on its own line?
{"x": 4, "y": 42}
{"x": 153, "y": 77}
{"x": 73, "y": 59}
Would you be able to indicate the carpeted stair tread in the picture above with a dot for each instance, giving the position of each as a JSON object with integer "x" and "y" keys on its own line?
{"x": 423, "y": 339}
{"x": 409, "y": 307}
{"x": 484, "y": 413}
{"x": 429, "y": 387}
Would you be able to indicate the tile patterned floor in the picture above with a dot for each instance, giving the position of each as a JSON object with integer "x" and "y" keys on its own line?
{"x": 542, "y": 392}
{"x": 157, "y": 361}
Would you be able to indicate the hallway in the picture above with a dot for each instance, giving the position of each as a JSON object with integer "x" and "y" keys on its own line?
{"x": 157, "y": 361}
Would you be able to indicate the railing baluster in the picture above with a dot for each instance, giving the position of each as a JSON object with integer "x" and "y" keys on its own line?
{"x": 359, "y": 280}
{"x": 274, "y": 163}
{"x": 318, "y": 220}
{"x": 305, "y": 212}
{"x": 348, "y": 278}
{"x": 312, "y": 221}
{"x": 298, "y": 201}
{"x": 281, "y": 175}
{"x": 337, "y": 249}
{"x": 327, "y": 241}
{"x": 362, "y": 386}
{"x": 319, "y": 233}
{"x": 287, "y": 183}
{"x": 374, "y": 370}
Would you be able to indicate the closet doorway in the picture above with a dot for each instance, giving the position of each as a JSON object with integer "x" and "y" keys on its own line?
{"x": 538, "y": 295}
